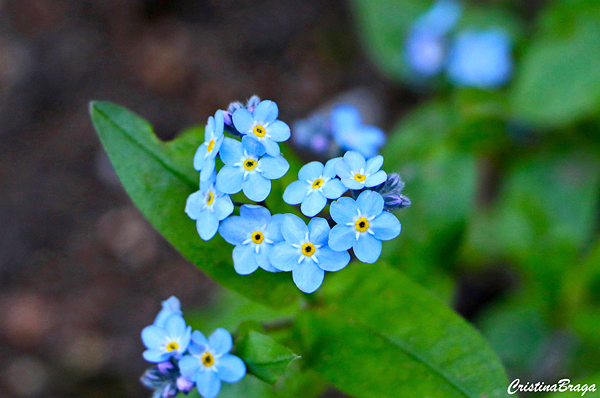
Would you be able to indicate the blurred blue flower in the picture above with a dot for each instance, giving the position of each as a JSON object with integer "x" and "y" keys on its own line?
{"x": 247, "y": 169}
{"x": 253, "y": 233}
{"x": 357, "y": 173}
{"x": 362, "y": 225}
{"x": 316, "y": 183}
{"x": 169, "y": 307}
{"x": 208, "y": 206}
{"x": 350, "y": 134}
{"x": 480, "y": 58}
{"x": 204, "y": 160}
{"x": 209, "y": 362}
{"x": 306, "y": 253}
{"x": 262, "y": 125}
{"x": 313, "y": 133}
{"x": 166, "y": 342}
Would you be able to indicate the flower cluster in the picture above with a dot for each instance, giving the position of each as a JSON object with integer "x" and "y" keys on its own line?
{"x": 472, "y": 58}
{"x": 284, "y": 242}
{"x": 185, "y": 359}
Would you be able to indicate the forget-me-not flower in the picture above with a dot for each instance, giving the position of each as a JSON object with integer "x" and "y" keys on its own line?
{"x": 165, "y": 380}
{"x": 169, "y": 307}
{"x": 362, "y": 225}
{"x": 204, "y": 160}
{"x": 171, "y": 340}
{"x": 316, "y": 183}
{"x": 233, "y": 107}
{"x": 480, "y": 59}
{"x": 358, "y": 173}
{"x": 350, "y": 134}
{"x": 208, "y": 206}
{"x": 210, "y": 362}
{"x": 306, "y": 252}
{"x": 262, "y": 125}
{"x": 253, "y": 233}
{"x": 247, "y": 168}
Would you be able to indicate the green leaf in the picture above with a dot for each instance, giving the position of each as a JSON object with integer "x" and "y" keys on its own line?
{"x": 159, "y": 177}
{"x": 378, "y": 334}
{"x": 264, "y": 357}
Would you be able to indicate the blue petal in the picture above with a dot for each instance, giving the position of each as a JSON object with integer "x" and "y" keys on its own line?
{"x": 229, "y": 179}
{"x": 169, "y": 307}
{"x": 231, "y": 368}
{"x": 265, "y": 112}
{"x": 332, "y": 261}
{"x": 274, "y": 228}
{"x": 184, "y": 341}
{"x": 355, "y": 161}
{"x": 341, "y": 238}
{"x": 310, "y": 171}
{"x": 220, "y": 342}
{"x": 209, "y": 129}
{"x": 207, "y": 169}
{"x": 262, "y": 258}
{"x": 207, "y": 382}
{"x": 194, "y": 205}
{"x": 199, "y": 339}
{"x": 333, "y": 189}
{"x": 386, "y": 226}
{"x": 188, "y": 365}
{"x": 233, "y": 231}
{"x": 175, "y": 326}
{"x": 279, "y": 131}
{"x": 374, "y": 164}
{"x": 153, "y": 336}
{"x": 258, "y": 215}
{"x": 207, "y": 185}
{"x": 219, "y": 124}
{"x": 295, "y": 192}
{"x": 351, "y": 183}
{"x": 243, "y": 121}
{"x": 156, "y": 356}
{"x": 256, "y": 187}
{"x": 343, "y": 210}
{"x": 313, "y": 204}
{"x": 207, "y": 225}
{"x": 293, "y": 229}
{"x": 223, "y": 207}
{"x": 370, "y": 203}
{"x": 271, "y": 147}
{"x": 308, "y": 276}
{"x": 318, "y": 231}
{"x": 200, "y": 157}
{"x": 345, "y": 117}
{"x": 284, "y": 256}
{"x": 253, "y": 147}
{"x": 376, "y": 179}
{"x": 244, "y": 261}
{"x": 329, "y": 170}
{"x": 231, "y": 151}
{"x": 367, "y": 249}
{"x": 342, "y": 169}
{"x": 273, "y": 167}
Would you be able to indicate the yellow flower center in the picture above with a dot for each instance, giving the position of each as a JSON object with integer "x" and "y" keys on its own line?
{"x": 317, "y": 183}
{"x": 259, "y": 131}
{"x": 211, "y": 145}
{"x": 210, "y": 198}
{"x": 359, "y": 177}
{"x": 249, "y": 164}
{"x": 208, "y": 360}
{"x": 308, "y": 249}
{"x": 362, "y": 225}
{"x": 172, "y": 346}
{"x": 257, "y": 237}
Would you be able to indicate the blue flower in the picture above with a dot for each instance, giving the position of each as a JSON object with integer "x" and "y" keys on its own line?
{"x": 246, "y": 170}
{"x": 356, "y": 173}
{"x": 162, "y": 343}
{"x": 234, "y": 106}
{"x": 210, "y": 362}
{"x": 350, "y": 134}
{"x": 362, "y": 225}
{"x": 480, "y": 59}
{"x": 208, "y": 206}
{"x": 169, "y": 307}
{"x": 316, "y": 183}
{"x": 262, "y": 125}
{"x": 440, "y": 19}
{"x": 306, "y": 253}
{"x": 253, "y": 233}
{"x": 204, "y": 160}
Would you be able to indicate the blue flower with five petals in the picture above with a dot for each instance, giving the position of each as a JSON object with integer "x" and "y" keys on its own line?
{"x": 204, "y": 160}
{"x": 247, "y": 169}
{"x": 362, "y": 225}
{"x": 306, "y": 252}
{"x": 210, "y": 362}
{"x": 316, "y": 183}
{"x": 171, "y": 340}
{"x": 350, "y": 134}
{"x": 356, "y": 173}
{"x": 253, "y": 233}
{"x": 262, "y": 125}
{"x": 169, "y": 307}
{"x": 208, "y": 206}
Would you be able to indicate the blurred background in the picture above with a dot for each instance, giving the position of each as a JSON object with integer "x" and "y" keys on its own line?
{"x": 491, "y": 110}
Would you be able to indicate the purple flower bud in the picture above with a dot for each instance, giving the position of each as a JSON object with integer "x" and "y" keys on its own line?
{"x": 165, "y": 367}
{"x": 234, "y": 106}
{"x": 252, "y": 102}
{"x": 227, "y": 118}
{"x": 184, "y": 385}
